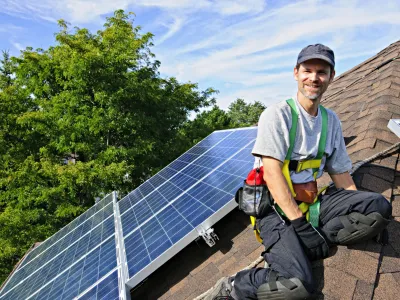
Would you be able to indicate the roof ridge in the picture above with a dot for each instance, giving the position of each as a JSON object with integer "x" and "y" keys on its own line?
{"x": 356, "y": 80}
{"x": 367, "y": 61}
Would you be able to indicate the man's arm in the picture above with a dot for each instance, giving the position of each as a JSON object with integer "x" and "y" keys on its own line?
{"x": 343, "y": 180}
{"x": 279, "y": 188}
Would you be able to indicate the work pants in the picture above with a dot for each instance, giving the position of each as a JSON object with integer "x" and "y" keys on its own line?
{"x": 283, "y": 250}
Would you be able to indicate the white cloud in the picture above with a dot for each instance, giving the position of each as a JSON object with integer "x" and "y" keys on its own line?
{"x": 17, "y": 46}
{"x": 242, "y": 48}
{"x": 233, "y": 53}
{"x": 233, "y": 7}
{"x": 268, "y": 94}
{"x": 84, "y": 11}
{"x": 173, "y": 28}
{"x": 9, "y": 28}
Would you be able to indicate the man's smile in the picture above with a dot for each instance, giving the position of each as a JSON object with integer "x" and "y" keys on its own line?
{"x": 312, "y": 87}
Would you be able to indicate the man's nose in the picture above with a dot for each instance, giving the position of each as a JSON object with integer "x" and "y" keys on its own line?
{"x": 313, "y": 77}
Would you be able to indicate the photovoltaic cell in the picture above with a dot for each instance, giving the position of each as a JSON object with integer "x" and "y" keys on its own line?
{"x": 98, "y": 207}
{"x": 106, "y": 289}
{"x": 93, "y": 224}
{"x": 70, "y": 265}
{"x": 46, "y": 266}
{"x": 81, "y": 275}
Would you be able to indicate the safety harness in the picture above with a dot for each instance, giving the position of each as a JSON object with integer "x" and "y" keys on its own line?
{"x": 311, "y": 210}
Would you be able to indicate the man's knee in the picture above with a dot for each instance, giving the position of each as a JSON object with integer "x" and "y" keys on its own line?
{"x": 382, "y": 206}
{"x": 283, "y": 288}
{"x": 358, "y": 227}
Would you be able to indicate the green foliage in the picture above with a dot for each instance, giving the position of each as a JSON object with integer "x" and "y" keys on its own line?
{"x": 75, "y": 119}
{"x": 243, "y": 115}
{"x": 204, "y": 124}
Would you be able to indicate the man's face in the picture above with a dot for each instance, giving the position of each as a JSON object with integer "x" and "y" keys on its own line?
{"x": 313, "y": 78}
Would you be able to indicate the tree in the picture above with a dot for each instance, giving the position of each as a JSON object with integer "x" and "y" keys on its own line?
{"x": 243, "y": 114}
{"x": 204, "y": 124}
{"x": 76, "y": 118}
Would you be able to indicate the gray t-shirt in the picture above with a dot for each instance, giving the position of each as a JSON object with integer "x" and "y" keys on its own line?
{"x": 273, "y": 140}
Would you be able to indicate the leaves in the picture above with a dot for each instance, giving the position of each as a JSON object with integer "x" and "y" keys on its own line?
{"x": 243, "y": 114}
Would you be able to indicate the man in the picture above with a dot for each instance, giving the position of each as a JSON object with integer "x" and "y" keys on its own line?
{"x": 346, "y": 216}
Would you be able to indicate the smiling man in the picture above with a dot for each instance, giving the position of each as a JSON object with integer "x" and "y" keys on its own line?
{"x": 346, "y": 216}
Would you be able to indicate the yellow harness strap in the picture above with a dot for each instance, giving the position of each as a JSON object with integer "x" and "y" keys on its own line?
{"x": 256, "y": 231}
{"x": 304, "y": 207}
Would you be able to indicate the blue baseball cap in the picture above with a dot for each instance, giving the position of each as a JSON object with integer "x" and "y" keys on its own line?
{"x": 317, "y": 51}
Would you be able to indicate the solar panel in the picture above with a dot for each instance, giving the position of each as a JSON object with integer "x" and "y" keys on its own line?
{"x": 114, "y": 245}
{"x": 69, "y": 262}
{"x": 172, "y": 208}
{"x": 76, "y": 225}
{"x": 106, "y": 289}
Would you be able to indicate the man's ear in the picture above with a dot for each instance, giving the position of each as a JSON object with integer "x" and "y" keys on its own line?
{"x": 296, "y": 73}
{"x": 332, "y": 76}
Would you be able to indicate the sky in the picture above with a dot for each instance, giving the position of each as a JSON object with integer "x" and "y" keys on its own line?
{"x": 242, "y": 48}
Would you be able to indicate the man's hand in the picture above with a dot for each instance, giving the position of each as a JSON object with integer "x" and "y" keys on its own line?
{"x": 279, "y": 188}
{"x": 312, "y": 241}
{"x": 344, "y": 180}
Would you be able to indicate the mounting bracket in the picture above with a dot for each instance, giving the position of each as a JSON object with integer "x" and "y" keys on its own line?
{"x": 209, "y": 236}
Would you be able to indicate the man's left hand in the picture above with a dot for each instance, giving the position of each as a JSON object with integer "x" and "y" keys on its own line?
{"x": 312, "y": 241}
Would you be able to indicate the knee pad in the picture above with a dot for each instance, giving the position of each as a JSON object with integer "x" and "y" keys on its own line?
{"x": 283, "y": 289}
{"x": 358, "y": 227}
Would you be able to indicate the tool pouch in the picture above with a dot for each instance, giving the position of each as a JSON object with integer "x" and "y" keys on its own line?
{"x": 254, "y": 199}
{"x": 306, "y": 192}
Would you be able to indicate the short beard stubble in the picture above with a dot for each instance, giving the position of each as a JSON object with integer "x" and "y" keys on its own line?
{"x": 313, "y": 97}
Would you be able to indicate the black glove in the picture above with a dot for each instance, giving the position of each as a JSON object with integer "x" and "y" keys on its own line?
{"x": 312, "y": 241}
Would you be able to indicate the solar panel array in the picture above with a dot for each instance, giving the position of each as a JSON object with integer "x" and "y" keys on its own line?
{"x": 115, "y": 245}
{"x": 80, "y": 256}
{"x": 157, "y": 216}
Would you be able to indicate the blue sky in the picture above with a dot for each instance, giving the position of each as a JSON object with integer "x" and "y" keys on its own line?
{"x": 244, "y": 49}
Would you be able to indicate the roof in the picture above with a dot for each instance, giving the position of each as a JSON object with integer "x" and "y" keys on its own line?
{"x": 365, "y": 98}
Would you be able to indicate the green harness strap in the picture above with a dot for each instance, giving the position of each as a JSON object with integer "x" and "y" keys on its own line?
{"x": 322, "y": 139}
{"x": 314, "y": 208}
{"x": 313, "y": 164}
{"x": 293, "y": 129}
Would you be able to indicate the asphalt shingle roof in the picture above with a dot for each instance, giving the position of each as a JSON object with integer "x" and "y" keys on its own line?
{"x": 365, "y": 98}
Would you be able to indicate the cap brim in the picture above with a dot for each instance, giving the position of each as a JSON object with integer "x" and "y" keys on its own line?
{"x": 316, "y": 56}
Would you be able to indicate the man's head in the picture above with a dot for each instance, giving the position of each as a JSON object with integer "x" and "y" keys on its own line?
{"x": 314, "y": 71}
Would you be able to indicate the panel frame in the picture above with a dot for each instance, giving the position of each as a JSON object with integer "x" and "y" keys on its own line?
{"x": 195, "y": 233}
{"x": 124, "y": 292}
{"x": 4, "y": 295}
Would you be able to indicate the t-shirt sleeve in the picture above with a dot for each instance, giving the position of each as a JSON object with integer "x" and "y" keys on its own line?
{"x": 272, "y": 134}
{"x": 339, "y": 161}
